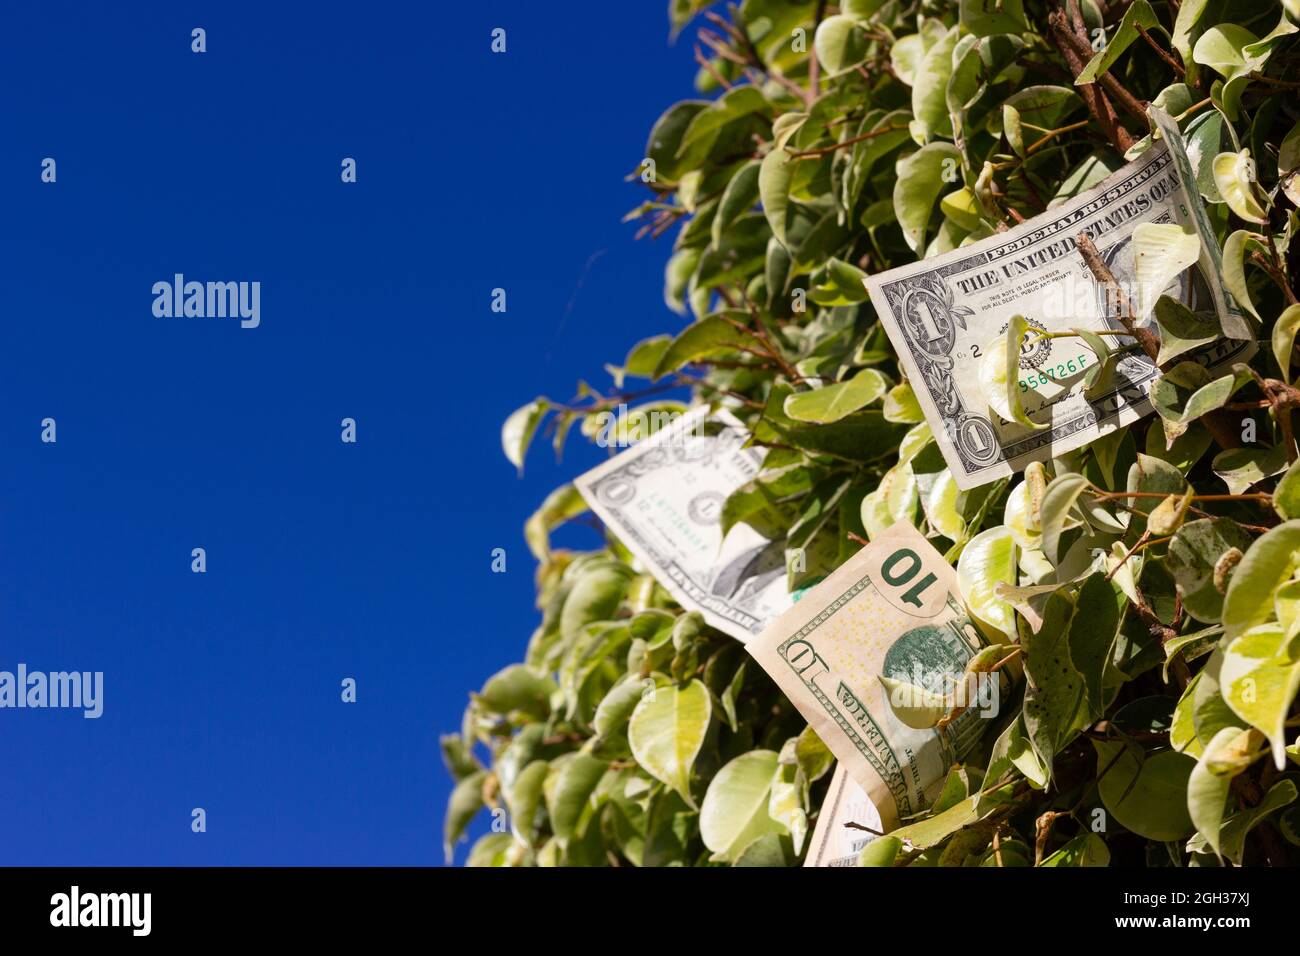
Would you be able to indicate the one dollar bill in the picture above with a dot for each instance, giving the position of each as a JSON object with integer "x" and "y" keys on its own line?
{"x": 663, "y": 499}
{"x": 893, "y": 610}
{"x": 945, "y": 313}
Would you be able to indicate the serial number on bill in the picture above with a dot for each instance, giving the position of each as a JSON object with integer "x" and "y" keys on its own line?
{"x": 1220, "y": 897}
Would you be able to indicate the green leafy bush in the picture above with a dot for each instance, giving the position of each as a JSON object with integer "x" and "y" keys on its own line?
{"x": 1157, "y": 722}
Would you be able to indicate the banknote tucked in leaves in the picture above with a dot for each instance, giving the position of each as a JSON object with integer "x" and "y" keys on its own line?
{"x": 948, "y": 317}
{"x": 872, "y": 657}
{"x": 839, "y": 836}
{"x": 663, "y": 498}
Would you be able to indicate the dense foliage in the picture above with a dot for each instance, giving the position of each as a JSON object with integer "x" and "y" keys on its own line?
{"x": 1148, "y": 580}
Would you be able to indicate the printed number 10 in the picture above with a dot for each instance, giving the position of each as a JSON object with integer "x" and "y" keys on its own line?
{"x": 899, "y": 577}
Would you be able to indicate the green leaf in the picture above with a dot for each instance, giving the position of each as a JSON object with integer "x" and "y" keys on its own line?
{"x": 880, "y": 852}
{"x": 987, "y": 559}
{"x": 1087, "y": 849}
{"x": 560, "y": 505}
{"x": 666, "y": 732}
{"x": 491, "y": 849}
{"x": 1260, "y": 676}
{"x": 893, "y": 500}
{"x": 813, "y": 757}
{"x": 1234, "y": 268}
{"x": 985, "y": 19}
{"x": 774, "y": 177}
{"x": 861, "y": 436}
{"x": 999, "y": 378}
{"x": 838, "y": 283}
{"x": 523, "y": 798}
{"x": 1138, "y": 14}
{"x": 1059, "y": 499}
{"x": 936, "y": 829}
{"x": 1014, "y": 749}
{"x": 466, "y": 801}
{"x": 643, "y": 358}
{"x": 1221, "y": 48}
{"x": 1042, "y": 107}
{"x": 833, "y": 402}
{"x": 677, "y": 278}
{"x": 595, "y": 596}
{"x": 1193, "y": 553}
{"x": 1094, "y": 168}
{"x": 1284, "y": 332}
{"x": 734, "y": 812}
{"x": 1210, "y": 712}
{"x": 680, "y": 12}
{"x": 915, "y": 707}
{"x": 1181, "y": 329}
{"x": 901, "y": 405}
{"x": 738, "y": 198}
{"x": 518, "y": 430}
{"x": 767, "y": 851}
{"x": 1188, "y": 391}
{"x": 930, "y": 88}
{"x": 1238, "y": 826}
{"x": 887, "y": 130}
{"x": 920, "y": 180}
{"x": 1207, "y": 791}
{"x": 941, "y": 507}
{"x": 1286, "y": 496}
{"x": 907, "y": 52}
{"x": 731, "y": 106}
{"x": 1093, "y": 629}
{"x": 709, "y": 336}
{"x": 962, "y": 208}
{"x": 518, "y": 687}
{"x": 1146, "y": 794}
{"x": 840, "y": 44}
{"x": 666, "y": 138}
{"x": 1182, "y": 728}
{"x": 1288, "y": 164}
{"x": 1185, "y": 23}
{"x": 1054, "y": 691}
{"x": 1234, "y": 175}
{"x": 742, "y": 248}
{"x": 615, "y": 708}
{"x": 1268, "y": 563}
{"x": 1161, "y": 253}
{"x": 785, "y": 802}
{"x": 1101, "y": 373}
{"x": 1242, "y": 467}
{"x": 457, "y": 756}
{"x": 570, "y": 792}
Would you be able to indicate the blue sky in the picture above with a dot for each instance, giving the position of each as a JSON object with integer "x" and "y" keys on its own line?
{"x": 324, "y": 560}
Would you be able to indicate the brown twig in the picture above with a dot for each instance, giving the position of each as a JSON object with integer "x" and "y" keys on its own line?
{"x": 814, "y": 67}
{"x": 861, "y": 826}
{"x": 1221, "y": 428}
{"x": 1043, "y": 831}
{"x": 1262, "y": 497}
{"x": 705, "y": 62}
{"x": 1280, "y": 265}
{"x": 1161, "y": 52}
{"x": 1078, "y": 39}
{"x": 823, "y": 150}
{"x": 1062, "y": 37}
{"x": 1039, "y": 143}
{"x": 1096, "y": 265}
{"x": 1284, "y": 399}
